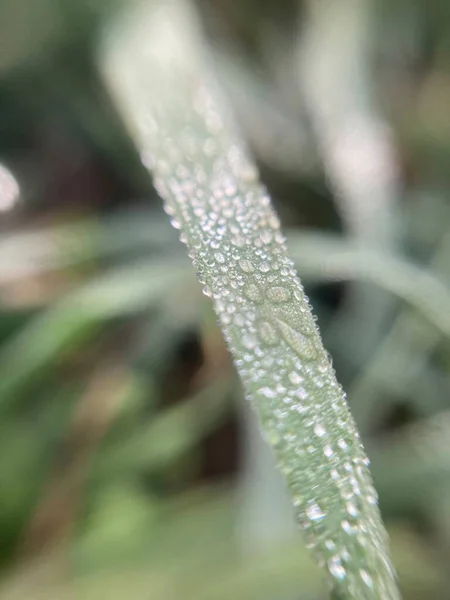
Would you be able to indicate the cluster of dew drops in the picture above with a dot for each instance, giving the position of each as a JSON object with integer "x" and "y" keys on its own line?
{"x": 213, "y": 197}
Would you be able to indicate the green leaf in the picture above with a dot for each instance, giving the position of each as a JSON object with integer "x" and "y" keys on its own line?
{"x": 213, "y": 196}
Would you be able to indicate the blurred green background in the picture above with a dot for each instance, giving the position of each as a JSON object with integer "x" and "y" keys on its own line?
{"x": 129, "y": 463}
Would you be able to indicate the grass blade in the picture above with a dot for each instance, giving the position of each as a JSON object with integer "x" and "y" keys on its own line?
{"x": 226, "y": 219}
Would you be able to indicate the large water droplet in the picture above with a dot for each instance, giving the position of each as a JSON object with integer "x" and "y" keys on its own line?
{"x": 278, "y": 294}
{"x": 297, "y": 341}
{"x": 252, "y": 292}
{"x": 246, "y": 266}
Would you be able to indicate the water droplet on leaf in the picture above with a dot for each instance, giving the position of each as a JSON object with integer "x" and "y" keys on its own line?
{"x": 297, "y": 341}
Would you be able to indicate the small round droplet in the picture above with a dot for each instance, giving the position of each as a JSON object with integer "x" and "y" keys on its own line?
{"x": 295, "y": 378}
{"x": 328, "y": 451}
{"x": 348, "y": 527}
{"x": 319, "y": 430}
{"x": 352, "y": 509}
{"x": 266, "y": 236}
{"x": 297, "y": 500}
{"x": 219, "y": 257}
{"x": 253, "y": 293}
{"x": 272, "y": 437}
{"x": 278, "y": 294}
{"x": 248, "y": 173}
{"x": 330, "y": 544}
{"x": 249, "y": 342}
{"x": 366, "y": 577}
{"x": 314, "y": 512}
{"x": 336, "y": 569}
{"x": 238, "y": 240}
{"x": 302, "y": 394}
{"x": 335, "y": 475}
{"x": 267, "y": 392}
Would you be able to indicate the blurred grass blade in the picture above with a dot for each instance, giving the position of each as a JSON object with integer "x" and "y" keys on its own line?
{"x": 356, "y": 147}
{"x": 412, "y": 467}
{"x": 30, "y": 253}
{"x": 123, "y": 291}
{"x": 320, "y": 257}
{"x": 400, "y": 361}
{"x": 170, "y": 434}
{"x": 213, "y": 195}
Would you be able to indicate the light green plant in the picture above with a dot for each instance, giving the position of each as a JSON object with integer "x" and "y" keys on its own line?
{"x": 226, "y": 219}
{"x": 319, "y": 257}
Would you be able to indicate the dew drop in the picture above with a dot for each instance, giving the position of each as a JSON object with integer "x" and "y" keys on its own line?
{"x": 268, "y": 333}
{"x": 248, "y": 173}
{"x": 273, "y": 437}
{"x": 274, "y": 222}
{"x": 335, "y": 475}
{"x": 267, "y": 392}
{"x": 253, "y": 293}
{"x": 238, "y": 240}
{"x": 320, "y": 430}
{"x": 348, "y": 527}
{"x": 239, "y": 320}
{"x": 352, "y": 509}
{"x": 330, "y": 544}
{"x": 372, "y": 499}
{"x": 295, "y": 378}
{"x": 246, "y": 266}
{"x": 249, "y": 342}
{"x": 169, "y": 209}
{"x": 366, "y": 577}
{"x": 219, "y": 257}
{"x": 336, "y": 569}
{"x": 278, "y": 294}
{"x": 314, "y": 512}
{"x": 266, "y": 237}
{"x": 328, "y": 451}
{"x": 297, "y": 500}
{"x": 302, "y": 394}
{"x": 297, "y": 341}
{"x": 225, "y": 319}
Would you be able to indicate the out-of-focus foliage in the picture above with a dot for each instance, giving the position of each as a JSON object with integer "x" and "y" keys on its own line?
{"x": 122, "y": 444}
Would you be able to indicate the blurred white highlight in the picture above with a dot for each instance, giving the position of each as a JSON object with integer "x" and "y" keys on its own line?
{"x": 9, "y": 189}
